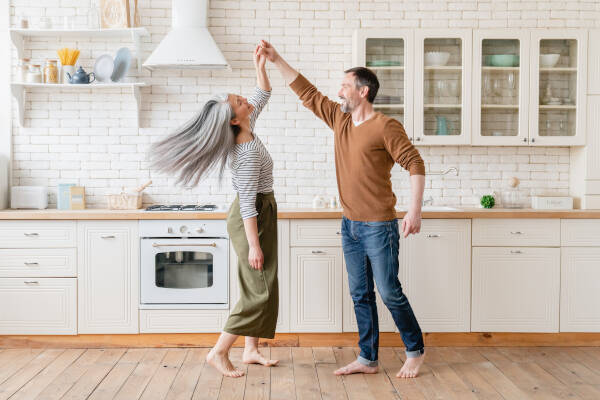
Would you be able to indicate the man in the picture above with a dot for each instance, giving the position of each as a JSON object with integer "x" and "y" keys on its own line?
{"x": 367, "y": 144}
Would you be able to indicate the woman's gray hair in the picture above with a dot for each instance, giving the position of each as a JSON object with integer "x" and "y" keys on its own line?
{"x": 199, "y": 146}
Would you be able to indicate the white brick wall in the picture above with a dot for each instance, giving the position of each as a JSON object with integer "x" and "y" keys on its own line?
{"x": 91, "y": 139}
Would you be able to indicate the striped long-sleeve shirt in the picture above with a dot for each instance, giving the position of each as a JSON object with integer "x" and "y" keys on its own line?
{"x": 251, "y": 164}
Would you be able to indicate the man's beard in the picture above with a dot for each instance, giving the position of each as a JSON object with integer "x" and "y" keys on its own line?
{"x": 346, "y": 107}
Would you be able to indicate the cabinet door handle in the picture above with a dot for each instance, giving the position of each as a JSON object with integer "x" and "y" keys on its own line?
{"x": 29, "y": 264}
{"x": 516, "y": 233}
{"x": 532, "y": 140}
{"x": 31, "y": 282}
{"x": 516, "y": 252}
{"x": 318, "y": 252}
{"x": 338, "y": 233}
{"x": 433, "y": 235}
{"x": 107, "y": 236}
{"x": 30, "y": 234}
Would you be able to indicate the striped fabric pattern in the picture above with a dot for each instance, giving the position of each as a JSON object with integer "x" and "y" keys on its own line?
{"x": 251, "y": 164}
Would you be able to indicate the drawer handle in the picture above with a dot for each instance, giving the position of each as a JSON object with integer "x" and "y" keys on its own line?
{"x": 29, "y": 264}
{"x": 516, "y": 233}
{"x": 31, "y": 282}
{"x": 184, "y": 244}
{"x": 433, "y": 235}
{"x": 318, "y": 252}
{"x": 30, "y": 234}
{"x": 516, "y": 252}
{"x": 107, "y": 236}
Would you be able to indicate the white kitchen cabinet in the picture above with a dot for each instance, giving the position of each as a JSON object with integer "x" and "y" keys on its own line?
{"x": 442, "y": 91}
{"x": 580, "y": 289}
{"x": 516, "y": 232}
{"x": 37, "y": 234}
{"x": 593, "y": 62}
{"x": 435, "y": 272}
{"x": 38, "y": 306}
{"x": 108, "y": 273}
{"x": 500, "y": 87}
{"x": 389, "y": 53}
{"x": 38, "y": 263}
{"x": 386, "y": 322}
{"x": 316, "y": 289}
{"x": 558, "y": 93}
{"x": 315, "y": 232}
{"x": 515, "y": 289}
{"x": 182, "y": 321}
{"x": 283, "y": 274}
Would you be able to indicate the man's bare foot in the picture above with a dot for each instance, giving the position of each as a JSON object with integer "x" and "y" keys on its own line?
{"x": 254, "y": 357}
{"x": 356, "y": 368}
{"x": 222, "y": 364}
{"x": 411, "y": 367}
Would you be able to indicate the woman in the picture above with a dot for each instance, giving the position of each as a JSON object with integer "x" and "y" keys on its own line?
{"x": 224, "y": 130}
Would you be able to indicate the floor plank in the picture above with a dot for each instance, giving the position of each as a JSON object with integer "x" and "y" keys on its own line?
{"x": 137, "y": 381}
{"x": 407, "y": 388}
{"x": 305, "y": 374}
{"x": 86, "y": 384}
{"x": 185, "y": 382}
{"x": 356, "y": 386}
{"x": 27, "y": 372}
{"x": 477, "y": 384}
{"x": 323, "y": 355}
{"x": 233, "y": 388}
{"x": 161, "y": 381}
{"x": 57, "y": 388}
{"x": 14, "y": 359}
{"x": 258, "y": 381}
{"x": 36, "y": 385}
{"x": 283, "y": 386}
{"x": 111, "y": 384}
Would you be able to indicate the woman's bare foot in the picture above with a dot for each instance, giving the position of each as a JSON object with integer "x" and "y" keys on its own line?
{"x": 356, "y": 368}
{"x": 254, "y": 357}
{"x": 222, "y": 364}
{"x": 411, "y": 367}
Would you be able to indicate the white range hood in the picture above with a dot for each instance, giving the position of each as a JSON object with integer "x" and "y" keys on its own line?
{"x": 189, "y": 44}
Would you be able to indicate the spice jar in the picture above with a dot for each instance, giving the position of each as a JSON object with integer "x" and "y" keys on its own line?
{"x": 22, "y": 68}
{"x": 51, "y": 72}
{"x": 34, "y": 74}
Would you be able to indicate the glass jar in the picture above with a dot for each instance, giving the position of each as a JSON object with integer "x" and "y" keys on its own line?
{"x": 51, "y": 72}
{"x": 22, "y": 69}
{"x": 34, "y": 74}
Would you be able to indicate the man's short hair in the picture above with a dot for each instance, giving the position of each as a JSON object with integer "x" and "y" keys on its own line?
{"x": 366, "y": 77}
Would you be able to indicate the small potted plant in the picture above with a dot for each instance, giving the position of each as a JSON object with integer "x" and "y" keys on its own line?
{"x": 487, "y": 201}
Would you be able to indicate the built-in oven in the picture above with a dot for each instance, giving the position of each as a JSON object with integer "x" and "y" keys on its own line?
{"x": 184, "y": 264}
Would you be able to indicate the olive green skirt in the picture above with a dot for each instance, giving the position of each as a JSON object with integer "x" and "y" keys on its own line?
{"x": 255, "y": 314}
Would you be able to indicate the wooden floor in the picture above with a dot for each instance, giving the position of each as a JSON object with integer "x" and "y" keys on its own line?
{"x": 303, "y": 373}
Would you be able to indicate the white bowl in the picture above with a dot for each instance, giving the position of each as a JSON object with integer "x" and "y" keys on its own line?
{"x": 548, "y": 60}
{"x": 436, "y": 58}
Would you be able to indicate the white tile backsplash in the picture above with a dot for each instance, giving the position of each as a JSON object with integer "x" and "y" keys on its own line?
{"x": 90, "y": 138}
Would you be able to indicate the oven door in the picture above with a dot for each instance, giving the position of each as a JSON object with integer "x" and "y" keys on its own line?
{"x": 184, "y": 271}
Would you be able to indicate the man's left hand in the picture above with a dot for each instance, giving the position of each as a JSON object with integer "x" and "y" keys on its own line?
{"x": 411, "y": 223}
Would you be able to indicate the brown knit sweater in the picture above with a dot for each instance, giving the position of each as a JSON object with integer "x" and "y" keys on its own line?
{"x": 364, "y": 155}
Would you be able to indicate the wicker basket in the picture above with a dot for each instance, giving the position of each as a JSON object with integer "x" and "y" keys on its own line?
{"x": 127, "y": 201}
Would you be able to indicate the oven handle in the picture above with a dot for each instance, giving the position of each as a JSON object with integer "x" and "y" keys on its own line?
{"x": 185, "y": 244}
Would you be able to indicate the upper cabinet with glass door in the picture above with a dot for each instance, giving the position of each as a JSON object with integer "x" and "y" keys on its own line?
{"x": 442, "y": 86}
{"x": 387, "y": 52}
{"x": 500, "y": 87}
{"x": 558, "y": 84}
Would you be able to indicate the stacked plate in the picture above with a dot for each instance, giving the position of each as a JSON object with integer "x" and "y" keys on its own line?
{"x": 108, "y": 70}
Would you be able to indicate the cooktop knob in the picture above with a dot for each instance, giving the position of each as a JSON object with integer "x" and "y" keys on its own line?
{"x": 200, "y": 230}
{"x": 183, "y": 229}
{"x": 170, "y": 230}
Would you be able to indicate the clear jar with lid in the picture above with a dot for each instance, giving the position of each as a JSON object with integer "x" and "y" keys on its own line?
{"x": 51, "y": 72}
{"x": 22, "y": 68}
{"x": 34, "y": 74}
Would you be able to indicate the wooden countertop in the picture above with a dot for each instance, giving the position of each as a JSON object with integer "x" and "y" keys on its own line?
{"x": 297, "y": 213}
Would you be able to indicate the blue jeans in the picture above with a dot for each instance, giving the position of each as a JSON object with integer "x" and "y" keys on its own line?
{"x": 371, "y": 251}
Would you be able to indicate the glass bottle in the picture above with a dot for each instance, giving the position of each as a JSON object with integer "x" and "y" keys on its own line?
{"x": 51, "y": 72}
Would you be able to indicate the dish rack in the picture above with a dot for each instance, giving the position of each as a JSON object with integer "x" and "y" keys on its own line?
{"x": 127, "y": 201}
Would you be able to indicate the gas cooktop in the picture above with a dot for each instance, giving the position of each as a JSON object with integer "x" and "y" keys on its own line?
{"x": 179, "y": 207}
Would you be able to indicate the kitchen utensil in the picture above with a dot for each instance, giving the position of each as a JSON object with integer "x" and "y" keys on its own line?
{"x": 436, "y": 58}
{"x": 549, "y": 60}
{"x": 80, "y": 77}
{"x": 442, "y": 125}
{"x": 121, "y": 64}
{"x": 68, "y": 56}
{"x": 127, "y": 201}
{"x": 103, "y": 68}
{"x": 29, "y": 197}
{"x": 504, "y": 60}
{"x": 34, "y": 74}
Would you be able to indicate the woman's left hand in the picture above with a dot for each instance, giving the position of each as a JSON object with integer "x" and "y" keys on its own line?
{"x": 259, "y": 59}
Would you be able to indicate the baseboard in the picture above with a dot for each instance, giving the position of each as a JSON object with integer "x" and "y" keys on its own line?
{"x": 298, "y": 340}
